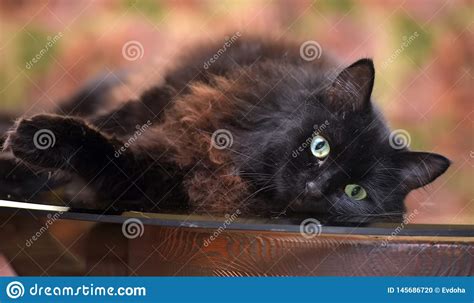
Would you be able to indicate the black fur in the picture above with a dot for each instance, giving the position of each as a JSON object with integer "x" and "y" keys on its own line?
{"x": 281, "y": 101}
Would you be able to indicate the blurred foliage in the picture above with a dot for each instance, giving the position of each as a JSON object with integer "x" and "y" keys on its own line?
{"x": 153, "y": 9}
{"x": 425, "y": 87}
{"x": 418, "y": 51}
{"x": 342, "y": 6}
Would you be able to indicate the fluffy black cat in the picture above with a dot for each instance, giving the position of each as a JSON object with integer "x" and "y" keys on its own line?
{"x": 258, "y": 128}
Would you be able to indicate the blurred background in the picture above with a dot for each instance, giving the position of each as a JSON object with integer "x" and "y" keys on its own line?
{"x": 423, "y": 51}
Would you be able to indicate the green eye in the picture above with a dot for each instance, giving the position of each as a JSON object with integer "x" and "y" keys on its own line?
{"x": 320, "y": 147}
{"x": 355, "y": 191}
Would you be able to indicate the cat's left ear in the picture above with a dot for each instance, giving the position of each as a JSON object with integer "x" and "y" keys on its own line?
{"x": 353, "y": 86}
{"x": 420, "y": 168}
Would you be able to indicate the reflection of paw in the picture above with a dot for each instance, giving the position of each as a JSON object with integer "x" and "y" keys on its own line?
{"x": 45, "y": 140}
{"x": 18, "y": 181}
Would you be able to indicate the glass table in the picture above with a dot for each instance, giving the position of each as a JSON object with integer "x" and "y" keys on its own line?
{"x": 42, "y": 239}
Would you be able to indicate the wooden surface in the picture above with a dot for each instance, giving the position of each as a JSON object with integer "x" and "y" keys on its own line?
{"x": 102, "y": 249}
{"x": 167, "y": 251}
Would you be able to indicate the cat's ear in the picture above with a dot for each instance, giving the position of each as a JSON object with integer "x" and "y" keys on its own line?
{"x": 420, "y": 168}
{"x": 353, "y": 86}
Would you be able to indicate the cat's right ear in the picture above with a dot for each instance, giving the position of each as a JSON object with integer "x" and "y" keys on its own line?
{"x": 353, "y": 86}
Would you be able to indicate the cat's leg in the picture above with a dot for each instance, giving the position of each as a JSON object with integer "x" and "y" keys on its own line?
{"x": 128, "y": 116}
{"x": 124, "y": 120}
{"x": 93, "y": 96}
{"x": 70, "y": 144}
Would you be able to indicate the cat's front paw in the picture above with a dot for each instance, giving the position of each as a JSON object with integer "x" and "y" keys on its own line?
{"x": 45, "y": 140}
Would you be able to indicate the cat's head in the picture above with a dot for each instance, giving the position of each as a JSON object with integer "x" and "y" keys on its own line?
{"x": 336, "y": 154}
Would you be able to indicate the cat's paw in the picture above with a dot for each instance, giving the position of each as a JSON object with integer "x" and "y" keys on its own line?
{"x": 46, "y": 140}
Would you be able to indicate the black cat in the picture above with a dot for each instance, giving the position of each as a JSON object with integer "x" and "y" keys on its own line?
{"x": 258, "y": 129}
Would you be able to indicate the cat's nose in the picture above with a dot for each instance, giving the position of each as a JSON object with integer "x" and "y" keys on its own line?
{"x": 313, "y": 189}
